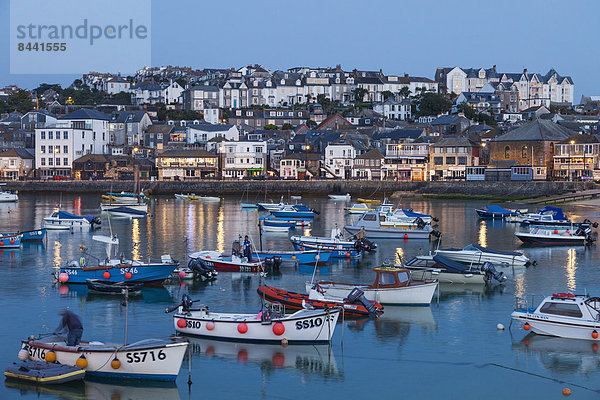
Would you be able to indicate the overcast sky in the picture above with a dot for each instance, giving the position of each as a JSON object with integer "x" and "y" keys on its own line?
{"x": 397, "y": 36}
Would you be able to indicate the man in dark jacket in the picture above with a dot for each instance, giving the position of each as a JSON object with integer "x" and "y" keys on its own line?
{"x": 72, "y": 324}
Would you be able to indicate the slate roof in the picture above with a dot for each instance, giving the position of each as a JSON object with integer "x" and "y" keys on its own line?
{"x": 127, "y": 116}
{"x": 186, "y": 153}
{"x": 86, "y": 113}
{"x": 17, "y": 152}
{"x": 453, "y": 141}
{"x": 538, "y": 129}
{"x": 211, "y": 127}
{"x": 373, "y": 154}
{"x": 398, "y": 134}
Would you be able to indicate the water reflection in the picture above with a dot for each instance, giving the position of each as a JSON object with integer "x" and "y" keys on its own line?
{"x": 571, "y": 267}
{"x": 483, "y": 234}
{"x": 559, "y": 355}
{"x": 135, "y": 237}
{"x": 306, "y": 360}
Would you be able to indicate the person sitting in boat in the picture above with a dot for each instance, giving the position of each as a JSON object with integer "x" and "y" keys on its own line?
{"x": 247, "y": 248}
{"x": 72, "y": 324}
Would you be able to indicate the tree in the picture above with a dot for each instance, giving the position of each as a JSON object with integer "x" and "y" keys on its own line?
{"x": 466, "y": 110}
{"x": 359, "y": 94}
{"x": 4, "y": 108}
{"x": 20, "y": 101}
{"x": 432, "y": 104}
{"x": 387, "y": 94}
{"x": 405, "y": 92}
{"x": 308, "y": 98}
{"x": 45, "y": 86}
{"x": 311, "y": 124}
{"x": 122, "y": 97}
{"x": 287, "y": 127}
{"x": 270, "y": 127}
{"x": 161, "y": 111}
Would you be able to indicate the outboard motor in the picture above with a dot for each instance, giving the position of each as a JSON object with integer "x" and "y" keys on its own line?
{"x": 364, "y": 244}
{"x": 435, "y": 219}
{"x": 186, "y": 302}
{"x": 491, "y": 273}
{"x": 420, "y": 223}
{"x": 273, "y": 263}
{"x": 94, "y": 221}
{"x": 200, "y": 268}
{"x": 315, "y": 211}
{"x": 436, "y": 233}
{"x": 357, "y": 296}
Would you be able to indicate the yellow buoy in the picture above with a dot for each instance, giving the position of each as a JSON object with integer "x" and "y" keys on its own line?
{"x": 81, "y": 361}
{"x": 116, "y": 364}
{"x": 50, "y": 356}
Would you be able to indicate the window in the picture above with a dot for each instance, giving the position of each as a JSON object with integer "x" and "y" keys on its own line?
{"x": 57, "y": 149}
{"x": 50, "y": 135}
{"x": 65, "y": 149}
{"x": 42, "y": 135}
{"x": 43, "y": 162}
{"x": 551, "y": 148}
{"x": 386, "y": 278}
{"x": 65, "y": 135}
{"x": 438, "y": 160}
{"x": 50, "y": 149}
{"x": 565, "y": 309}
{"x": 370, "y": 217}
{"x": 58, "y": 161}
{"x": 450, "y": 160}
{"x": 403, "y": 277}
{"x": 83, "y": 134}
{"x": 65, "y": 161}
{"x": 43, "y": 149}
{"x": 462, "y": 160}
{"x": 507, "y": 152}
{"x": 258, "y": 160}
{"x": 524, "y": 152}
{"x": 50, "y": 161}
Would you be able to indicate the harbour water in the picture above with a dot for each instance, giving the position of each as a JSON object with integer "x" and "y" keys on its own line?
{"x": 449, "y": 350}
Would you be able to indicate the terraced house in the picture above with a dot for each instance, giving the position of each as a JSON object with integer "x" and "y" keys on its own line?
{"x": 450, "y": 157}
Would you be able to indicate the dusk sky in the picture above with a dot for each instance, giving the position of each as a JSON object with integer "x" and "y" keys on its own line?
{"x": 397, "y": 36}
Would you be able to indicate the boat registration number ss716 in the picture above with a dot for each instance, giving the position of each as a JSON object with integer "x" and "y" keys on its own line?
{"x": 141, "y": 356}
{"x": 37, "y": 352}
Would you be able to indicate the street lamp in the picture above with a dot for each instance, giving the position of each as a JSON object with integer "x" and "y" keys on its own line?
{"x": 56, "y": 150}
{"x": 572, "y": 142}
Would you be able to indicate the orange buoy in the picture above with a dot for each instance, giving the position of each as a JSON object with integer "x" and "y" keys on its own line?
{"x": 81, "y": 362}
{"x": 210, "y": 325}
{"x": 527, "y": 326}
{"x": 556, "y": 231}
{"x": 12, "y": 241}
{"x": 128, "y": 275}
{"x": 278, "y": 329}
{"x": 63, "y": 277}
{"x": 242, "y": 328}
{"x": 181, "y": 323}
{"x": 1, "y": 242}
{"x": 348, "y": 255}
{"x": 405, "y": 236}
{"x": 566, "y": 392}
{"x": 106, "y": 275}
{"x": 115, "y": 363}
{"x": 293, "y": 257}
{"x": 50, "y": 356}
{"x": 595, "y": 334}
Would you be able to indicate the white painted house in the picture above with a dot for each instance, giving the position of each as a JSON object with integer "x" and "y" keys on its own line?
{"x": 202, "y": 133}
{"x": 74, "y": 135}
{"x": 393, "y": 109}
{"x": 243, "y": 159}
{"x": 339, "y": 160}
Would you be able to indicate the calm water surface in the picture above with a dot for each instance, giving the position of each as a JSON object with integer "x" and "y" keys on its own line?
{"x": 449, "y": 350}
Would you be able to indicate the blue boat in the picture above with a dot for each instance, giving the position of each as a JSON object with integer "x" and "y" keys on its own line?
{"x": 249, "y": 205}
{"x": 115, "y": 270}
{"x": 31, "y": 236}
{"x": 295, "y": 211}
{"x": 339, "y": 247}
{"x": 494, "y": 212}
{"x": 296, "y": 256}
{"x": 278, "y": 222}
{"x": 10, "y": 241}
{"x": 125, "y": 211}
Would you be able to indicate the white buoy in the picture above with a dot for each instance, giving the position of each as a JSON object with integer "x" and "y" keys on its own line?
{"x": 23, "y": 355}
{"x": 500, "y": 327}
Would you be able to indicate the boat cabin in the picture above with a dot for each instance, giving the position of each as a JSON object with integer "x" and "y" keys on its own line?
{"x": 391, "y": 277}
{"x": 570, "y": 305}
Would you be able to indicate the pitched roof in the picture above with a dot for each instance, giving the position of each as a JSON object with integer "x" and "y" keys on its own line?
{"x": 97, "y": 158}
{"x": 372, "y": 154}
{"x": 455, "y": 141}
{"x": 86, "y": 113}
{"x": 127, "y": 116}
{"x": 536, "y": 130}
{"x": 186, "y": 153}
{"x": 398, "y": 134}
{"x": 17, "y": 152}
{"x": 211, "y": 127}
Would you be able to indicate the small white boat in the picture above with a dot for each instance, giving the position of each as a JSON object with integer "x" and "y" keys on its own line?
{"x": 449, "y": 271}
{"x": 476, "y": 254}
{"x": 135, "y": 206}
{"x": 209, "y": 199}
{"x": 562, "y": 314}
{"x": 7, "y": 197}
{"x": 62, "y": 220}
{"x": 541, "y": 236}
{"x": 297, "y": 197}
{"x": 340, "y": 197}
{"x": 357, "y": 208}
{"x": 186, "y": 196}
{"x": 151, "y": 359}
{"x": 275, "y": 228}
{"x": 392, "y": 286}
{"x": 271, "y": 206}
{"x": 370, "y": 223}
{"x": 126, "y": 212}
{"x": 403, "y": 215}
{"x": 269, "y": 326}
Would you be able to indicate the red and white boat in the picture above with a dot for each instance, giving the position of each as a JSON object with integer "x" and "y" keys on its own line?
{"x": 226, "y": 262}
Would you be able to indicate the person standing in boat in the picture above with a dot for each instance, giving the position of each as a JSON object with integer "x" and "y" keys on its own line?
{"x": 247, "y": 248}
{"x": 72, "y": 324}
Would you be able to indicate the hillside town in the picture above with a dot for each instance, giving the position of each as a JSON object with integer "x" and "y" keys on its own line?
{"x": 182, "y": 124}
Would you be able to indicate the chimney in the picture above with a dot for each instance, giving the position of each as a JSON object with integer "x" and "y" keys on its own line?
{"x": 494, "y": 69}
{"x": 525, "y": 70}
{"x": 406, "y": 75}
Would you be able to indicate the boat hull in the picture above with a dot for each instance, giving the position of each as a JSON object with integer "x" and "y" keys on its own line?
{"x": 11, "y": 241}
{"x": 338, "y": 249}
{"x": 215, "y": 260}
{"x": 474, "y": 257}
{"x": 136, "y": 206}
{"x": 153, "y": 273}
{"x": 421, "y": 274}
{"x": 550, "y": 239}
{"x": 302, "y": 327}
{"x": 389, "y": 233}
{"x": 414, "y": 295}
{"x": 293, "y": 214}
{"x": 572, "y": 328}
{"x": 148, "y": 362}
{"x": 297, "y": 257}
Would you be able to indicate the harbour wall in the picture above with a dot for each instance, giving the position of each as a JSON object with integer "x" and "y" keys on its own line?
{"x": 319, "y": 188}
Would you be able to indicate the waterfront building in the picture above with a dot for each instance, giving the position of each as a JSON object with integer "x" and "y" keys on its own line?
{"x": 339, "y": 157}
{"x": 450, "y": 156}
{"x": 577, "y": 158}
{"x": 180, "y": 165}
{"x": 243, "y": 159}
{"x": 16, "y": 164}
{"x": 407, "y": 161}
{"x": 368, "y": 166}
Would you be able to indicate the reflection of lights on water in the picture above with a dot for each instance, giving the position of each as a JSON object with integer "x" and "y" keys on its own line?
{"x": 483, "y": 234}
{"x": 399, "y": 255}
{"x": 77, "y": 205}
{"x": 57, "y": 258}
{"x": 571, "y": 268}
{"x": 149, "y": 237}
{"x": 306, "y": 231}
{"x": 135, "y": 237}
{"x": 520, "y": 285}
{"x": 220, "y": 230}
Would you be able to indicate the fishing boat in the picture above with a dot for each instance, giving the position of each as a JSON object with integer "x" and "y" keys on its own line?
{"x": 103, "y": 286}
{"x": 31, "y": 236}
{"x": 292, "y": 222}
{"x": 403, "y": 215}
{"x": 44, "y": 373}
{"x": 446, "y": 270}
{"x": 62, "y": 220}
{"x": 353, "y": 306}
{"x": 127, "y": 212}
{"x": 226, "y": 262}
{"x": 370, "y": 223}
{"x": 196, "y": 269}
{"x": 494, "y": 212}
{"x": 543, "y": 236}
{"x": 476, "y": 254}
{"x": 392, "y": 286}
{"x": 566, "y": 315}
{"x": 149, "y": 359}
{"x": 7, "y": 197}
{"x": 340, "y": 197}
{"x": 339, "y": 246}
{"x": 186, "y": 196}
{"x": 114, "y": 269}
{"x": 305, "y": 257}
{"x": 357, "y": 208}
{"x": 124, "y": 198}
{"x": 209, "y": 199}
{"x": 270, "y": 206}
{"x": 386, "y": 209}
{"x": 368, "y": 201}
{"x": 294, "y": 211}
{"x": 269, "y": 326}
{"x": 10, "y": 241}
